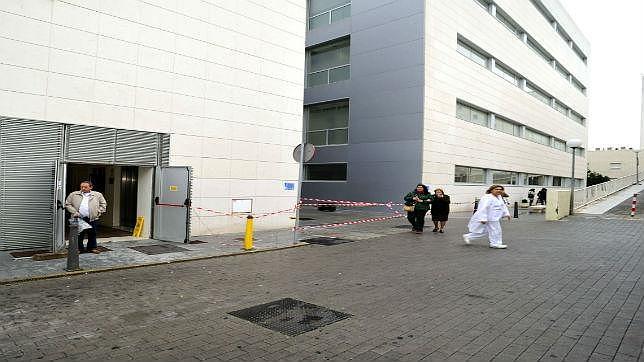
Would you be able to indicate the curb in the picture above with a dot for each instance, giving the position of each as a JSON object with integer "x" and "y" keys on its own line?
{"x": 136, "y": 266}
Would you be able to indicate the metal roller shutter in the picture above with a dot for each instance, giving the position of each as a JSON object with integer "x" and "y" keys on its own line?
{"x": 165, "y": 150}
{"x": 87, "y": 144}
{"x": 136, "y": 148}
{"x": 28, "y": 152}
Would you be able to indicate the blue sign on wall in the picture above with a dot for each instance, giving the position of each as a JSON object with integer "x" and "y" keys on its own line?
{"x": 289, "y": 186}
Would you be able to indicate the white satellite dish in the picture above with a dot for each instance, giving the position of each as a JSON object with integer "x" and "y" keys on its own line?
{"x": 309, "y": 152}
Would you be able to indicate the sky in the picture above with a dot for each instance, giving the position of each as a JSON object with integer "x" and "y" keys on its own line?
{"x": 616, "y": 33}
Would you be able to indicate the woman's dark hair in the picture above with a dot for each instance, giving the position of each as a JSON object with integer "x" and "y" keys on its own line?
{"x": 425, "y": 189}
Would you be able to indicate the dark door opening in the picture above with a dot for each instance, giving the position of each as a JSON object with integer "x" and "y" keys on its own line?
{"x": 129, "y": 187}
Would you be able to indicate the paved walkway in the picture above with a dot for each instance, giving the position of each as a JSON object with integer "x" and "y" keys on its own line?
{"x": 570, "y": 289}
{"x": 122, "y": 255}
{"x": 606, "y": 204}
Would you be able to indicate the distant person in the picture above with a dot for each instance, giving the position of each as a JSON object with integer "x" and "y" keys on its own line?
{"x": 541, "y": 196}
{"x": 440, "y": 210}
{"x": 417, "y": 204}
{"x": 87, "y": 205}
{"x": 486, "y": 221}
{"x": 531, "y": 193}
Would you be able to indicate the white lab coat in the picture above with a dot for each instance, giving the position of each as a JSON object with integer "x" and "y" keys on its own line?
{"x": 491, "y": 209}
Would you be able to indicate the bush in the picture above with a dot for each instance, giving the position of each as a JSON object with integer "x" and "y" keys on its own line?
{"x": 594, "y": 178}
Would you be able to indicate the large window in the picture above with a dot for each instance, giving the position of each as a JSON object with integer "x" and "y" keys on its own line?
{"x": 469, "y": 175}
{"x": 537, "y": 93}
{"x": 328, "y": 63}
{"x": 576, "y": 117}
{"x": 508, "y": 127}
{"x": 325, "y": 172}
{"x": 559, "y": 144}
{"x": 536, "y": 180}
{"x": 328, "y": 124}
{"x": 580, "y": 87}
{"x": 471, "y": 53}
{"x": 561, "y": 108}
{"x": 505, "y": 73}
{"x": 325, "y": 12}
{"x": 507, "y": 21}
{"x": 505, "y": 177}
{"x": 539, "y": 50}
{"x": 471, "y": 114}
{"x": 562, "y": 71}
{"x": 557, "y": 181}
{"x": 537, "y": 137}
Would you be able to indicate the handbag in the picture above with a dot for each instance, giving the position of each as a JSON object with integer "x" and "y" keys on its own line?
{"x": 408, "y": 208}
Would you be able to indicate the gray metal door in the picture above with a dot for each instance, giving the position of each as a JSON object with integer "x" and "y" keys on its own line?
{"x": 59, "y": 206}
{"x": 172, "y": 204}
{"x": 28, "y": 151}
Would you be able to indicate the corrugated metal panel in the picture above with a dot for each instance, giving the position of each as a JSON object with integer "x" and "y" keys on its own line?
{"x": 28, "y": 150}
{"x": 87, "y": 144}
{"x": 165, "y": 150}
{"x": 136, "y": 148}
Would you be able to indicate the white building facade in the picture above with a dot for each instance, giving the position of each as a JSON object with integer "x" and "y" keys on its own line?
{"x": 213, "y": 85}
{"x": 455, "y": 94}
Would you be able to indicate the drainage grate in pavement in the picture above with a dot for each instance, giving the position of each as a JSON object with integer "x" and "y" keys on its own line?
{"x": 290, "y": 316}
{"x": 326, "y": 241}
{"x": 158, "y": 249}
{"x": 27, "y": 254}
{"x": 197, "y": 242}
{"x": 406, "y": 226}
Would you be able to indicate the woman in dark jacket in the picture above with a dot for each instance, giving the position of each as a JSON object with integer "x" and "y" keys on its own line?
{"x": 420, "y": 200}
{"x": 440, "y": 210}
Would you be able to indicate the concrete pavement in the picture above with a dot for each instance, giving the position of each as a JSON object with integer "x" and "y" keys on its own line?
{"x": 570, "y": 289}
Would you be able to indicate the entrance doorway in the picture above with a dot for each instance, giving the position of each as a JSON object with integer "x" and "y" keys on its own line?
{"x": 127, "y": 191}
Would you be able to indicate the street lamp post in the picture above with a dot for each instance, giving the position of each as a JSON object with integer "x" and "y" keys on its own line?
{"x": 637, "y": 166}
{"x": 573, "y": 144}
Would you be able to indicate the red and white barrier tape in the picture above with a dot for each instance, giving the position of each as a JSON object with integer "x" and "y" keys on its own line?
{"x": 362, "y": 221}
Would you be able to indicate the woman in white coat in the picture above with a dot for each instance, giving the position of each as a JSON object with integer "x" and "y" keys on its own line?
{"x": 486, "y": 221}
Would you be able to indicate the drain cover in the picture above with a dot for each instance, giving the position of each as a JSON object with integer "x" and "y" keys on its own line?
{"x": 158, "y": 249}
{"x": 197, "y": 242}
{"x": 290, "y": 316}
{"x": 326, "y": 241}
{"x": 406, "y": 226}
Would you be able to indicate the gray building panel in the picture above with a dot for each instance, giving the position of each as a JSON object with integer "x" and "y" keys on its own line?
{"x": 384, "y": 155}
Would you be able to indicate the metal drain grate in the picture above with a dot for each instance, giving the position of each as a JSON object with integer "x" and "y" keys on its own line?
{"x": 406, "y": 226}
{"x": 326, "y": 241}
{"x": 290, "y": 316}
{"x": 158, "y": 249}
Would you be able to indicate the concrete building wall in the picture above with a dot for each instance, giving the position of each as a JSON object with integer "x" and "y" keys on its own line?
{"x": 224, "y": 78}
{"x": 614, "y": 163}
{"x": 449, "y": 76}
{"x": 385, "y": 99}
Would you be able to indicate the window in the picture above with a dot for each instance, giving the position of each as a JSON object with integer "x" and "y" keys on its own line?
{"x": 328, "y": 63}
{"x": 505, "y": 73}
{"x": 536, "y": 180}
{"x": 559, "y": 144}
{"x": 580, "y": 87}
{"x": 539, "y": 50}
{"x": 325, "y": 172}
{"x": 561, "y": 108}
{"x": 328, "y": 124}
{"x": 471, "y": 53}
{"x": 559, "y": 29}
{"x": 508, "y": 127}
{"x": 557, "y": 181}
{"x": 507, "y": 21}
{"x": 579, "y": 183}
{"x": 469, "y": 174}
{"x": 537, "y": 93}
{"x": 470, "y": 114}
{"x": 615, "y": 165}
{"x": 561, "y": 70}
{"x": 483, "y": 3}
{"x": 576, "y": 117}
{"x": 504, "y": 177}
{"x": 537, "y": 137}
{"x": 325, "y": 12}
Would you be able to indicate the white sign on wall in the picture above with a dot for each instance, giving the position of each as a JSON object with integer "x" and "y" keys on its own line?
{"x": 243, "y": 206}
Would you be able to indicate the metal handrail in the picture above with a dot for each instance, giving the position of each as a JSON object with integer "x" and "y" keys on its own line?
{"x": 593, "y": 193}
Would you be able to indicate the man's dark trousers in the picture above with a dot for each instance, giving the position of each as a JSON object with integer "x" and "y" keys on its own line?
{"x": 417, "y": 219}
{"x": 91, "y": 237}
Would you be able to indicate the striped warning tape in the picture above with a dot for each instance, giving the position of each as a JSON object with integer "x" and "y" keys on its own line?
{"x": 362, "y": 221}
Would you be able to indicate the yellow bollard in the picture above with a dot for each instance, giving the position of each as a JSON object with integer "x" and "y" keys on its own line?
{"x": 248, "y": 238}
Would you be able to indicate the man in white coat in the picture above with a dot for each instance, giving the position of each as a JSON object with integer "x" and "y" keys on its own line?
{"x": 486, "y": 221}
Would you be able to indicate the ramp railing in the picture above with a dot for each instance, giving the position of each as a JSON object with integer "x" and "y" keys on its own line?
{"x": 593, "y": 193}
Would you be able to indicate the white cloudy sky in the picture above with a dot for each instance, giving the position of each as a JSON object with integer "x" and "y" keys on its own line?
{"x": 616, "y": 33}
